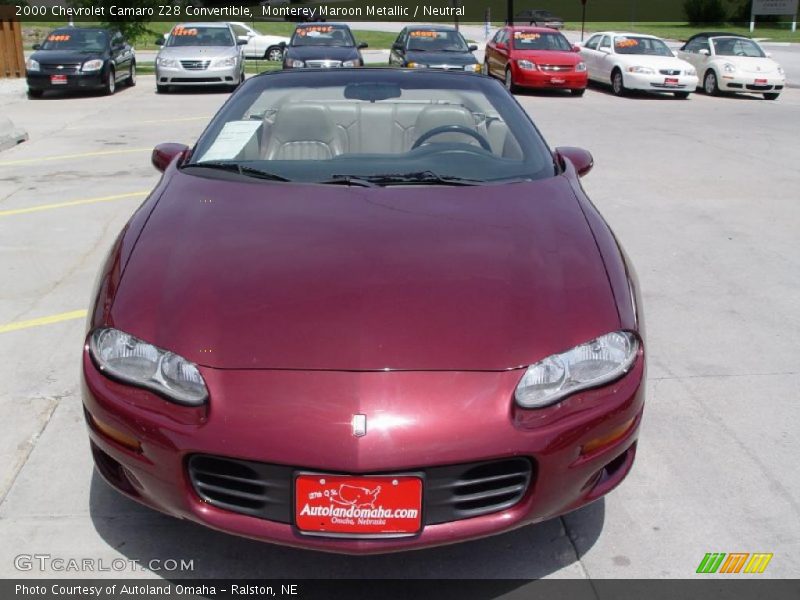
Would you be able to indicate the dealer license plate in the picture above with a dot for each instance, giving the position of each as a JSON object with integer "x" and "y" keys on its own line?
{"x": 58, "y": 79}
{"x": 343, "y": 504}
{"x": 671, "y": 81}
{"x": 761, "y": 82}
{"x": 556, "y": 81}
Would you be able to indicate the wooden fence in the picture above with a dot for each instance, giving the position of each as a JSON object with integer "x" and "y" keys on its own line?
{"x": 12, "y": 61}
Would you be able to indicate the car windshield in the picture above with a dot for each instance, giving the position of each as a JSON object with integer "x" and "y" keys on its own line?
{"x": 737, "y": 47}
{"x": 530, "y": 40}
{"x": 183, "y": 35}
{"x": 630, "y": 44}
{"x": 436, "y": 41}
{"x": 322, "y": 35}
{"x": 376, "y": 127}
{"x": 77, "y": 40}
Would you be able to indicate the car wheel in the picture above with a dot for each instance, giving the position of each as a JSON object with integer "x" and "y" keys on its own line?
{"x": 771, "y": 96}
{"x": 161, "y": 89}
{"x": 510, "y": 85}
{"x": 579, "y": 92}
{"x": 617, "y": 83}
{"x": 35, "y": 93}
{"x": 111, "y": 83}
{"x": 131, "y": 80}
{"x": 710, "y": 85}
{"x": 681, "y": 95}
{"x": 274, "y": 54}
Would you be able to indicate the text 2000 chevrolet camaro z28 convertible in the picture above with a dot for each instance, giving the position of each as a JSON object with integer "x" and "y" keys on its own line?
{"x": 369, "y": 311}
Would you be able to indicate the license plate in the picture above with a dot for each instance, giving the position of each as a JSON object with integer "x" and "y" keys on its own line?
{"x": 58, "y": 79}
{"x": 761, "y": 82}
{"x": 344, "y": 504}
{"x": 555, "y": 81}
{"x": 671, "y": 81}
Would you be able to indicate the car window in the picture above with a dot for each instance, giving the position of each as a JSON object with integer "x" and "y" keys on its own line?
{"x": 323, "y": 35}
{"x": 631, "y": 44}
{"x": 313, "y": 129}
{"x": 424, "y": 40}
{"x": 592, "y": 43}
{"x": 184, "y": 35}
{"x": 606, "y": 43}
{"x": 238, "y": 30}
{"x": 76, "y": 39}
{"x": 737, "y": 47}
{"x": 527, "y": 40}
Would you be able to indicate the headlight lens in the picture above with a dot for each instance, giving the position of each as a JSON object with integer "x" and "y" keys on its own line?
{"x": 781, "y": 71}
{"x": 642, "y": 70}
{"x": 729, "y": 67}
{"x": 170, "y": 63}
{"x": 350, "y": 63}
{"x": 589, "y": 365}
{"x": 580, "y": 67}
{"x": 476, "y": 68}
{"x": 32, "y": 65}
{"x": 526, "y": 65}
{"x": 129, "y": 359}
{"x": 416, "y": 65}
{"x": 92, "y": 65}
{"x": 691, "y": 72}
{"x": 230, "y": 61}
{"x": 293, "y": 63}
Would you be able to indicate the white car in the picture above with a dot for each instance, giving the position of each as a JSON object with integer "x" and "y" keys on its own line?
{"x": 268, "y": 47}
{"x": 732, "y": 63}
{"x": 633, "y": 61}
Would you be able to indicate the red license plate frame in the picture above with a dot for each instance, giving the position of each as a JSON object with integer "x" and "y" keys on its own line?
{"x": 672, "y": 81}
{"x": 761, "y": 82}
{"x": 58, "y": 80}
{"x": 358, "y": 506}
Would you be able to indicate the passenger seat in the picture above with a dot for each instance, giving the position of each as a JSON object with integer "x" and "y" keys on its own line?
{"x": 303, "y": 132}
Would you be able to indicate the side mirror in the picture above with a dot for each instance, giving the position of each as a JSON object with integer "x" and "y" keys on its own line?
{"x": 397, "y": 47}
{"x": 576, "y": 48}
{"x": 164, "y": 154}
{"x": 282, "y": 45}
{"x": 362, "y": 45}
{"x": 473, "y": 47}
{"x": 37, "y": 46}
{"x": 704, "y": 52}
{"x": 581, "y": 159}
{"x": 241, "y": 42}
{"x": 159, "y": 41}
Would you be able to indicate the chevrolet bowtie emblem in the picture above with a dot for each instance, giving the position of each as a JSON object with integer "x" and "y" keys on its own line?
{"x": 359, "y": 424}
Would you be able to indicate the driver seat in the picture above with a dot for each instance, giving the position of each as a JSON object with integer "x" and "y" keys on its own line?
{"x": 435, "y": 116}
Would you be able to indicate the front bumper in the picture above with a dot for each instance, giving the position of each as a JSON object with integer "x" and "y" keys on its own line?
{"x": 572, "y": 80}
{"x": 417, "y": 421}
{"x": 74, "y": 81}
{"x": 750, "y": 82}
{"x": 210, "y": 76}
{"x": 660, "y": 83}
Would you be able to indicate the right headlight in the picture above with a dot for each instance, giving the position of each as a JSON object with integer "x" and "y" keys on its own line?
{"x": 642, "y": 70}
{"x": 589, "y": 365}
{"x": 416, "y": 65}
{"x": 169, "y": 63}
{"x": 32, "y": 65}
{"x": 729, "y": 67}
{"x": 293, "y": 63}
{"x": 131, "y": 360}
{"x": 580, "y": 67}
{"x": 526, "y": 65}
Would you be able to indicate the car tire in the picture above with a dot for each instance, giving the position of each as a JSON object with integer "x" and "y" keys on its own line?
{"x": 110, "y": 85}
{"x": 274, "y": 54}
{"x": 681, "y": 95}
{"x": 578, "y": 92}
{"x": 771, "y": 96}
{"x": 509, "y": 80}
{"x": 617, "y": 83}
{"x": 35, "y": 93}
{"x": 710, "y": 83}
{"x": 131, "y": 80}
{"x": 162, "y": 89}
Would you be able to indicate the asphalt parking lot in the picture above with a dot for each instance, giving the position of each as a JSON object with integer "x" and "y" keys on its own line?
{"x": 703, "y": 193}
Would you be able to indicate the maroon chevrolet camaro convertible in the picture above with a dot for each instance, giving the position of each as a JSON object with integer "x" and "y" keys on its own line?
{"x": 369, "y": 311}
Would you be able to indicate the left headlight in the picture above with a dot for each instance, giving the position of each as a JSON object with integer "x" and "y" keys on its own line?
{"x": 230, "y": 61}
{"x": 691, "y": 72}
{"x": 589, "y": 365}
{"x": 32, "y": 65}
{"x": 92, "y": 65}
{"x": 129, "y": 359}
{"x": 476, "y": 68}
{"x": 580, "y": 67}
{"x": 781, "y": 71}
{"x": 729, "y": 67}
{"x": 526, "y": 65}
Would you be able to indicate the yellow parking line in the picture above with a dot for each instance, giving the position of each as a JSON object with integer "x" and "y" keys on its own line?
{"x": 67, "y": 316}
{"x": 30, "y": 209}
{"x": 24, "y": 161}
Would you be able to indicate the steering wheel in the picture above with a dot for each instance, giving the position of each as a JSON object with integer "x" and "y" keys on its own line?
{"x": 452, "y": 129}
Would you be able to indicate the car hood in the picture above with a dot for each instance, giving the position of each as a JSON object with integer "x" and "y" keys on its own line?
{"x": 750, "y": 64}
{"x": 322, "y": 52}
{"x": 198, "y": 52}
{"x": 549, "y": 57}
{"x": 311, "y": 277}
{"x": 441, "y": 58}
{"x": 655, "y": 62}
{"x": 58, "y": 57}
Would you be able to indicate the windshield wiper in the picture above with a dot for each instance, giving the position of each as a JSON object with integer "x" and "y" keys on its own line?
{"x": 240, "y": 169}
{"x": 349, "y": 180}
{"x": 419, "y": 177}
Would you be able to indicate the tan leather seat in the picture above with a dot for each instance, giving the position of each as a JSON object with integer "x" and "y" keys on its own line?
{"x": 432, "y": 117}
{"x": 303, "y": 132}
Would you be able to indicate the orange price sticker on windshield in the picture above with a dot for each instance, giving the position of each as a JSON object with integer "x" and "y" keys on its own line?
{"x": 315, "y": 29}
{"x": 424, "y": 34}
{"x": 519, "y": 35}
{"x": 626, "y": 43}
{"x": 184, "y": 31}
{"x": 58, "y": 38}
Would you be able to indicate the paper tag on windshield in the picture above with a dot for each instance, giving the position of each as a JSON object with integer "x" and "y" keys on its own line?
{"x": 234, "y": 136}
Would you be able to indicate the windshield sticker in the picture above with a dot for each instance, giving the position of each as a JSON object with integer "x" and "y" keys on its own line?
{"x": 61, "y": 37}
{"x": 521, "y": 35}
{"x": 314, "y": 30}
{"x": 232, "y": 140}
{"x": 425, "y": 34}
{"x": 626, "y": 42}
{"x": 179, "y": 31}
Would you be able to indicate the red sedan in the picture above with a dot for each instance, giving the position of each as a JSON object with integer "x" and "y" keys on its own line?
{"x": 370, "y": 310}
{"x": 535, "y": 57}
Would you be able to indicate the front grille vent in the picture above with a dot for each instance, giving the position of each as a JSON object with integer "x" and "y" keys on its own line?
{"x": 195, "y": 65}
{"x": 672, "y": 72}
{"x": 324, "y": 64}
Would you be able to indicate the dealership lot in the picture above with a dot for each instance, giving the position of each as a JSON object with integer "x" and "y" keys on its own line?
{"x": 702, "y": 193}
